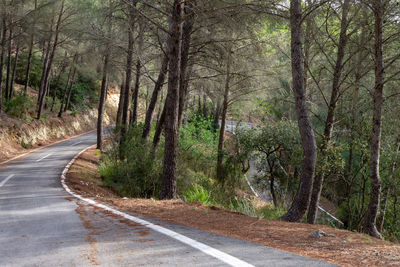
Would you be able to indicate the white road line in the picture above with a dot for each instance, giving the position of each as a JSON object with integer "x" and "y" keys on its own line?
{"x": 77, "y": 143}
{"x": 44, "y": 157}
{"x": 5, "y": 180}
{"x": 222, "y": 256}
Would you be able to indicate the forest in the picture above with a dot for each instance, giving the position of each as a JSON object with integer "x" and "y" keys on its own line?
{"x": 311, "y": 89}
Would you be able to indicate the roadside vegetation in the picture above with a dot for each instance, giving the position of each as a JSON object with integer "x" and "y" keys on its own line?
{"x": 317, "y": 81}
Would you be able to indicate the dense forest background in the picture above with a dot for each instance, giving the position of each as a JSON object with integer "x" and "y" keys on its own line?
{"x": 318, "y": 80}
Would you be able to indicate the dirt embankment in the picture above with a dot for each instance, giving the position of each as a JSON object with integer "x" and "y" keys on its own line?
{"x": 345, "y": 248}
{"x": 18, "y": 137}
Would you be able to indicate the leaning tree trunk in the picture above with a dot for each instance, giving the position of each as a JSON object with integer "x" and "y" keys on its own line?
{"x": 220, "y": 152}
{"x": 302, "y": 198}
{"x": 330, "y": 118}
{"x": 153, "y": 101}
{"x": 373, "y": 207}
{"x": 169, "y": 176}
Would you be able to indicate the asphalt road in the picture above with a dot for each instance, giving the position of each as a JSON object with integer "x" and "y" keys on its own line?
{"x": 42, "y": 225}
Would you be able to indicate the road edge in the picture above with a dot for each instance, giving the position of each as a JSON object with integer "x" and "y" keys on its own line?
{"x": 222, "y": 256}
{"x": 41, "y": 147}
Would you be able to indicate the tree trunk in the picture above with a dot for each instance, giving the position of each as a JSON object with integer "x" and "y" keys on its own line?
{"x": 8, "y": 73}
{"x": 153, "y": 101}
{"x": 302, "y": 198}
{"x": 373, "y": 207}
{"x": 49, "y": 65}
{"x": 103, "y": 97}
{"x": 70, "y": 91}
{"x": 135, "y": 95}
{"x": 217, "y": 114}
{"x": 14, "y": 69}
{"x": 128, "y": 73}
{"x": 30, "y": 50}
{"x": 220, "y": 152}
{"x": 186, "y": 41}
{"x": 56, "y": 83}
{"x": 120, "y": 103}
{"x": 159, "y": 127}
{"x": 169, "y": 176}
{"x": 3, "y": 45}
{"x": 65, "y": 92}
{"x": 330, "y": 119}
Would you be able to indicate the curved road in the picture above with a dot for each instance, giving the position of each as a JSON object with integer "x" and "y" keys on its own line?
{"x": 42, "y": 225}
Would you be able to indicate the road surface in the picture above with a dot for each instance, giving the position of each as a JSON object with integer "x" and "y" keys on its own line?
{"x": 42, "y": 225}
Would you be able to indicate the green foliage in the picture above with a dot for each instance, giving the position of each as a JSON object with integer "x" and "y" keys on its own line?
{"x": 132, "y": 169}
{"x": 244, "y": 206}
{"x": 20, "y": 106}
{"x": 197, "y": 193}
{"x": 276, "y": 151}
{"x": 35, "y": 70}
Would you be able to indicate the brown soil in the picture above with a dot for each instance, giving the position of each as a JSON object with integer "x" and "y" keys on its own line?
{"x": 345, "y": 248}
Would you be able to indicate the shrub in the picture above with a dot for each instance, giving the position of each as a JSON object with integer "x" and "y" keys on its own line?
{"x": 133, "y": 169}
{"x": 19, "y": 106}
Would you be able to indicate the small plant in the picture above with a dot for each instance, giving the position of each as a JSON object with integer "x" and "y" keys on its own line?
{"x": 197, "y": 193}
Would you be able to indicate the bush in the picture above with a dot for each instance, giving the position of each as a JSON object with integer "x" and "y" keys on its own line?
{"x": 133, "y": 169}
{"x": 19, "y": 106}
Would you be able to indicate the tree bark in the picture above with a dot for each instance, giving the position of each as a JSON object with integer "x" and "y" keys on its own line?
{"x": 128, "y": 73}
{"x": 169, "y": 176}
{"x": 14, "y": 69}
{"x": 103, "y": 97}
{"x": 3, "y": 45}
{"x": 30, "y": 50}
{"x": 120, "y": 103}
{"x": 135, "y": 95}
{"x": 186, "y": 42}
{"x": 70, "y": 91}
{"x": 153, "y": 101}
{"x": 373, "y": 207}
{"x": 65, "y": 92}
{"x": 330, "y": 118}
{"x": 8, "y": 73}
{"x": 302, "y": 198}
{"x": 220, "y": 152}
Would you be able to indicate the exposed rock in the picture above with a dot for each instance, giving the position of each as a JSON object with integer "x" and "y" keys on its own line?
{"x": 319, "y": 233}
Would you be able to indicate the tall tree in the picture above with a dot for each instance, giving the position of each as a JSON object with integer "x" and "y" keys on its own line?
{"x": 330, "y": 118}
{"x": 373, "y": 207}
{"x": 128, "y": 68}
{"x": 103, "y": 90}
{"x": 302, "y": 198}
{"x": 169, "y": 176}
